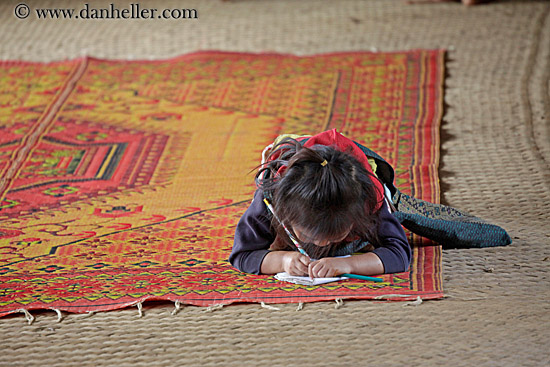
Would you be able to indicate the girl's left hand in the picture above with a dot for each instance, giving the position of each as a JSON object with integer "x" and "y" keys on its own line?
{"x": 329, "y": 267}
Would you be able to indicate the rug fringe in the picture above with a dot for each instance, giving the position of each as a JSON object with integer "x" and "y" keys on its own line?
{"x": 384, "y": 296}
{"x": 140, "y": 309}
{"x": 59, "y": 314}
{"x": 28, "y": 316}
{"x": 177, "y": 304}
{"x": 416, "y": 302}
{"x": 339, "y": 303}
{"x": 300, "y": 306}
{"x": 87, "y": 314}
{"x": 213, "y": 308}
{"x": 264, "y": 305}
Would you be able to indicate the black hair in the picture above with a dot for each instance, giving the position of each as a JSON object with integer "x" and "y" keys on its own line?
{"x": 322, "y": 190}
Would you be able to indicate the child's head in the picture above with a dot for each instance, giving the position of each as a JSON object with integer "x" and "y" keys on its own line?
{"x": 323, "y": 195}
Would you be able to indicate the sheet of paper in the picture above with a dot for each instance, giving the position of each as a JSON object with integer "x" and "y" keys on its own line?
{"x": 305, "y": 280}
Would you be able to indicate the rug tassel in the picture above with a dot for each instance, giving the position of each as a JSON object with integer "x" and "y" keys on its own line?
{"x": 87, "y": 314}
{"x": 213, "y": 308}
{"x": 339, "y": 303}
{"x": 28, "y": 316}
{"x": 416, "y": 302}
{"x": 59, "y": 314}
{"x": 264, "y": 305}
{"x": 177, "y": 304}
{"x": 300, "y": 306}
{"x": 388, "y": 296}
{"x": 140, "y": 309}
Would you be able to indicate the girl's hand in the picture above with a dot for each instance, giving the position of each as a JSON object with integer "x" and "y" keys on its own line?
{"x": 329, "y": 267}
{"x": 294, "y": 263}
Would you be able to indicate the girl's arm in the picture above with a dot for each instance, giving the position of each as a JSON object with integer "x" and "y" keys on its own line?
{"x": 253, "y": 236}
{"x": 364, "y": 264}
{"x": 394, "y": 250}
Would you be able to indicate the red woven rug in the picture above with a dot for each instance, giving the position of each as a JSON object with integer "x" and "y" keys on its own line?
{"x": 123, "y": 181}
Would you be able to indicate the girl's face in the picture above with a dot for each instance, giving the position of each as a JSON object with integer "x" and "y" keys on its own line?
{"x": 303, "y": 237}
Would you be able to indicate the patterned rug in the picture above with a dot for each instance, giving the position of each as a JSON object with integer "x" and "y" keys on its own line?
{"x": 123, "y": 181}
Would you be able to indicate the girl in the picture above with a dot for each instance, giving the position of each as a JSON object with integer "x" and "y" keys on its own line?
{"x": 319, "y": 195}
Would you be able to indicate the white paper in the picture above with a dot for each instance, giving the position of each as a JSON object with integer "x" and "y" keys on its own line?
{"x": 285, "y": 277}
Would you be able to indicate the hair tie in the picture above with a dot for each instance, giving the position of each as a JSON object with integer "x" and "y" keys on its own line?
{"x": 324, "y": 163}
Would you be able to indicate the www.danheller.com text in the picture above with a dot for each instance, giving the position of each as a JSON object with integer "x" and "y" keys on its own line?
{"x": 132, "y": 11}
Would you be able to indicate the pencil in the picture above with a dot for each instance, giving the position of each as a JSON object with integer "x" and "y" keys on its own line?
{"x": 362, "y": 277}
{"x": 294, "y": 241}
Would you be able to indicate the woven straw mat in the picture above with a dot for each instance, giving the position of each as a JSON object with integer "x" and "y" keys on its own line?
{"x": 495, "y": 164}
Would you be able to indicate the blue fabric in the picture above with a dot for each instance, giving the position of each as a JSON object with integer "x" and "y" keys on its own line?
{"x": 450, "y": 227}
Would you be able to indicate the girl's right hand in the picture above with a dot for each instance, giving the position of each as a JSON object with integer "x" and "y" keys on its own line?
{"x": 294, "y": 263}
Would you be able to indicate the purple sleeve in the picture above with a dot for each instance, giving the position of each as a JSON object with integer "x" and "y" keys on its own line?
{"x": 394, "y": 250}
{"x": 253, "y": 237}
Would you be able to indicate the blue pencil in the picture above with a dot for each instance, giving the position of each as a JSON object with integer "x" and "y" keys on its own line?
{"x": 362, "y": 277}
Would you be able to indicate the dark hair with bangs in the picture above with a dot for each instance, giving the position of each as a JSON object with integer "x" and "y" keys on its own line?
{"x": 324, "y": 200}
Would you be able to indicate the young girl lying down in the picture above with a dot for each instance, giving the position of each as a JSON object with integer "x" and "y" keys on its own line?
{"x": 323, "y": 198}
